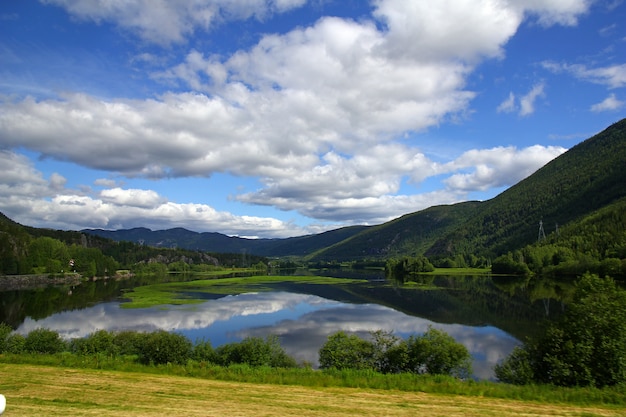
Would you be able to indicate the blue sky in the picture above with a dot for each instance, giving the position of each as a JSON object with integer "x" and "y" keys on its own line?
{"x": 276, "y": 118}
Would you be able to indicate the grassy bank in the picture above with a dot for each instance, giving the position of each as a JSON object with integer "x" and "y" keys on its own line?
{"x": 36, "y": 390}
{"x": 183, "y": 292}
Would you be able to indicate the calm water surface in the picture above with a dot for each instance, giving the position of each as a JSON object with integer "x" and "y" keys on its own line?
{"x": 487, "y": 319}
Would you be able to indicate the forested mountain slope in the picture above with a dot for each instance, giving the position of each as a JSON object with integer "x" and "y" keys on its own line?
{"x": 217, "y": 242}
{"x": 410, "y": 234}
{"x": 583, "y": 187}
{"x": 587, "y": 178}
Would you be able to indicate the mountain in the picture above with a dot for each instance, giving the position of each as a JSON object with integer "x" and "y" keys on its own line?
{"x": 217, "y": 242}
{"x": 585, "y": 179}
{"x": 583, "y": 189}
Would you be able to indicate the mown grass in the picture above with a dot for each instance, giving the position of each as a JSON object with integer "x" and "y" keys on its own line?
{"x": 178, "y": 293}
{"x": 306, "y": 377}
{"x": 38, "y": 390}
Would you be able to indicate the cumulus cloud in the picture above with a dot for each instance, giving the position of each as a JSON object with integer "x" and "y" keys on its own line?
{"x": 28, "y": 198}
{"x": 165, "y": 22}
{"x": 498, "y": 167}
{"x": 611, "y": 103}
{"x": 318, "y": 114}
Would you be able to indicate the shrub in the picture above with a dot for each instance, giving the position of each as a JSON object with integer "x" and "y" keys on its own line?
{"x": 44, "y": 341}
{"x": 436, "y": 352}
{"x": 100, "y": 341}
{"x": 343, "y": 351}
{"x": 15, "y": 343}
{"x": 390, "y": 353}
{"x": 203, "y": 351}
{"x": 586, "y": 347}
{"x": 254, "y": 351}
{"x": 128, "y": 342}
{"x": 5, "y": 331}
{"x": 162, "y": 347}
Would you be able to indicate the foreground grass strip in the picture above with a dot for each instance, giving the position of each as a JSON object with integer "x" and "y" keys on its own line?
{"x": 51, "y": 391}
{"x": 178, "y": 293}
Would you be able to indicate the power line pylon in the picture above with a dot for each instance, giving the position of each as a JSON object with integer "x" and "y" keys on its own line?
{"x": 542, "y": 234}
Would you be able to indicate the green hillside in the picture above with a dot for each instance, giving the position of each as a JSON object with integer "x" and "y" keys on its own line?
{"x": 410, "y": 234}
{"x": 587, "y": 178}
{"x": 581, "y": 193}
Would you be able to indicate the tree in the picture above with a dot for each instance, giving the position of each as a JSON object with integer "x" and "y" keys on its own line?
{"x": 44, "y": 341}
{"x": 161, "y": 347}
{"x": 254, "y": 351}
{"x": 390, "y": 352}
{"x": 436, "y": 352}
{"x": 586, "y": 347}
{"x": 343, "y": 351}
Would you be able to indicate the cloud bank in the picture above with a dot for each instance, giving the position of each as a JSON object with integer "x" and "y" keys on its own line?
{"x": 326, "y": 116}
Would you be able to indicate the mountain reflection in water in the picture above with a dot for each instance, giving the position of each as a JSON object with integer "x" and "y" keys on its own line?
{"x": 302, "y": 322}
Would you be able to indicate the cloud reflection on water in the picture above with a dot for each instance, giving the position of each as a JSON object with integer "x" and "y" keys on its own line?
{"x": 303, "y": 322}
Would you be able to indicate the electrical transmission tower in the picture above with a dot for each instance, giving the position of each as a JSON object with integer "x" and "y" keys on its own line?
{"x": 542, "y": 234}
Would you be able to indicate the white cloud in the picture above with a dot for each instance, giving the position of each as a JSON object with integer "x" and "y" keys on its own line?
{"x": 165, "y": 22}
{"x": 105, "y": 182}
{"x": 561, "y": 12}
{"x": 132, "y": 198}
{"x": 612, "y": 76}
{"x": 508, "y": 105}
{"x": 527, "y": 102}
{"x": 526, "y": 105}
{"x": 318, "y": 113}
{"x": 498, "y": 167}
{"x": 611, "y": 103}
{"x": 26, "y": 197}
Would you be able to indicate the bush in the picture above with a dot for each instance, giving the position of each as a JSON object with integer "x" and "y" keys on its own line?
{"x": 15, "y": 343}
{"x": 44, "y": 341}
{"x": 5, "y": 331}
{"x": 203, "y": 352}
{"x": 436, "y": 352}
{"x": 128, "y": 342}
{"x": 101, "y": 341}
{"x": 254, "y": 351}
{"x": 390, "y": 352}
{"x": 586, "y": 347}
{"x": 343, "y": 351}
{"x": 162, "y": 347}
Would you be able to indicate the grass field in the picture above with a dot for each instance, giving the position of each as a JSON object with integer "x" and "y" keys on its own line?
{"x": 36, "y": 390}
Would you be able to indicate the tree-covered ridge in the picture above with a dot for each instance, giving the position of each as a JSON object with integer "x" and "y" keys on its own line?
{"x": 409, "y": 234}
{"x": 579, "y": 192}
{"x": 28, "y": 250}
{"x": 595, "y": 243}
{"x": 586, "y": 178}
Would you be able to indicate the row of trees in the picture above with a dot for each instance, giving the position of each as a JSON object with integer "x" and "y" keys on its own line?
{"x": 556, "y": 260}
{"x": 434, "y": 352}
{"x": 155, "y": 348}
{"x": 93, "y": 256}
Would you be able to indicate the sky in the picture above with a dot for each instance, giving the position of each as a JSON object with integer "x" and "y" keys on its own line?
{"x": 279, "y": 118}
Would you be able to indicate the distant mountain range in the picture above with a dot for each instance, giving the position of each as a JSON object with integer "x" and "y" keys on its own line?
{"x": 589, "y": 177}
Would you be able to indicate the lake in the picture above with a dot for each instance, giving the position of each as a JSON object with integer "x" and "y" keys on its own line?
{"x": 487, "y": 315}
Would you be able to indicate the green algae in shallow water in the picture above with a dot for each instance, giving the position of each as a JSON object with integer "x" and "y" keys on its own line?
{"x": 179, "y": 293}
